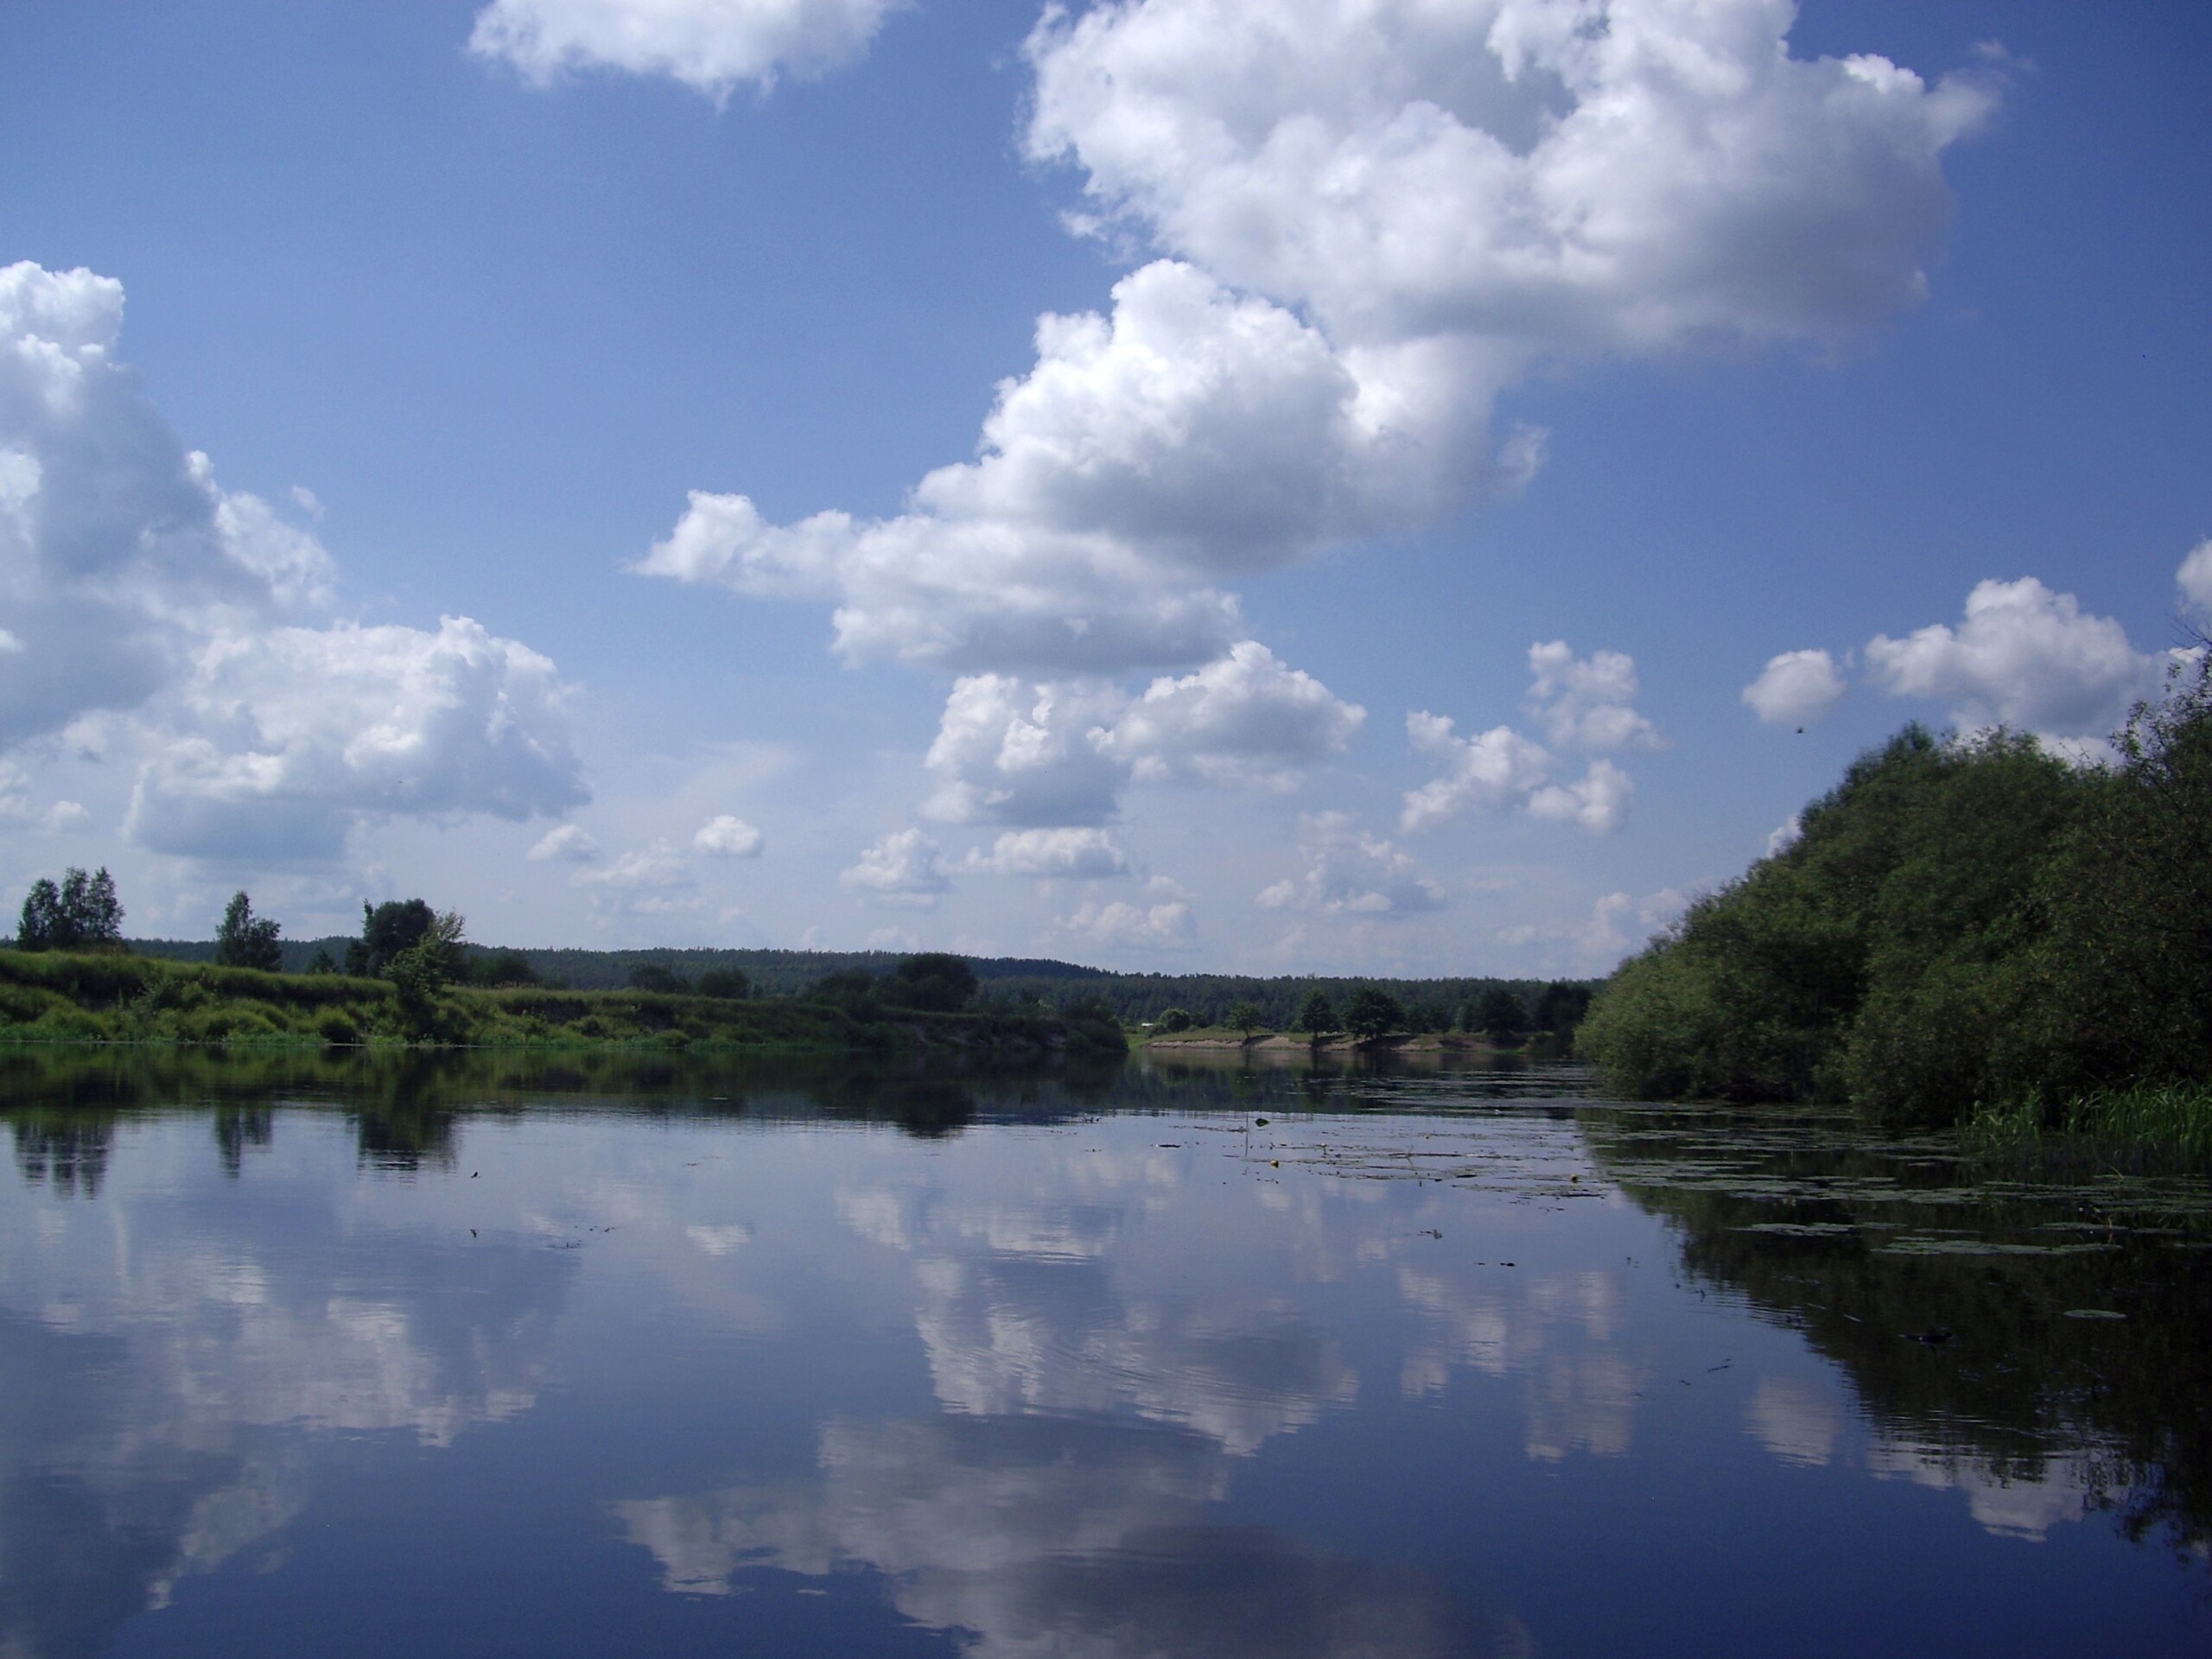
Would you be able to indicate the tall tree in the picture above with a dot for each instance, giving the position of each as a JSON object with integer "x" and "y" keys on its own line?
{"x": 244, "y": 940}
{"x": 81, "y": 914}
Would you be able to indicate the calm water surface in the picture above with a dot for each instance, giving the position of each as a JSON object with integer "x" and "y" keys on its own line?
{"x": 483, "y": 1357}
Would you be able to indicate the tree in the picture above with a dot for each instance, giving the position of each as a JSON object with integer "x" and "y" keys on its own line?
{"x": 1174, "y": 1019}
{"x": 934, "y": 981}
{"x": 424, "y": 969}
{"x": 494, "y": 967}
{"x": 386, "y": 930}
{"x": 322, "y": 962}
{"x": 1503, "y": 1018}
{"x": 1316, "y": 1017}
{"x": 651, "y": 976}
{"x": 81, "y": 914}
{"x": 729, "y": 984}
{"x": 1560, "y": 1005}
{"x": 1372, "y": 1013}
{"x": 244, "y": 940}
{"x": 1247, "y": 1018}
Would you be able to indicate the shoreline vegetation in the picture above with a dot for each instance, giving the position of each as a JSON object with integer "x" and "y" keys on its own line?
{"x": 1966, "y": 931}
{"x": 412, "y": 979}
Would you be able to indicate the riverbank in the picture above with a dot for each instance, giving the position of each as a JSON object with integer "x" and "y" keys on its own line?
{"x": 1285, "y": 1045}
{"x": 56, "y": 997}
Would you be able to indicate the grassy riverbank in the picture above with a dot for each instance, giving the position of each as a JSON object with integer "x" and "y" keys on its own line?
{"x": 59, "y": 997}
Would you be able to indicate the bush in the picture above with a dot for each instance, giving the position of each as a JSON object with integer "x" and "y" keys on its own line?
{"x": 1961, "y": 923}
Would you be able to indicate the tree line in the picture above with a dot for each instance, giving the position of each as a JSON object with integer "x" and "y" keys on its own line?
{"x": 1961, "y": 923}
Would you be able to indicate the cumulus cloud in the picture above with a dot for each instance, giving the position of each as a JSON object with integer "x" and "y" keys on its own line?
{"x": 133, "y": 585}
{"x": 1596, "y": 802}
{"x": 1193, "y": 436}
{"x": 1614, "y": 175}
{"x": 1500, "y": 770}
{"x": 725, "y": 836}
{"x": 293, "y": 735}
{"x": 119, "y": 554}
{"x": 1785, "y": 835}
{"x": 1060, "y": 752}
{"x": 709, "y": 45}
{"x": 659, "y": 866}
{"x": 1369, "y": 220}
{"x": 1795, "y": 688}
{"x": 903, "y": 869}
{"x": 2024, "y": 657}
{"x": 1244, "y": 719}
{"x": 1011, "y": 751}
{"x": 1077, "y": 853}
{"x": 2194, "y": 579}
{"x": 1167, "y": 926}
{"x": 1349, "y": 870}
{"x": 1584, "y": 703}
{"x": 567, "y": 843}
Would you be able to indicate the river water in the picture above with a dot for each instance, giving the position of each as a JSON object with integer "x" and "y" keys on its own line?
{"x": 489, "y": 1356}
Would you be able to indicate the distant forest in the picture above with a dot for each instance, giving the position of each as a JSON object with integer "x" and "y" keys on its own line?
{"x": 1134, "y": 998}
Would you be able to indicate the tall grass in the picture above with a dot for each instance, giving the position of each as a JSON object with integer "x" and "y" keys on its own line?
{"x": 2169, "y": 1117}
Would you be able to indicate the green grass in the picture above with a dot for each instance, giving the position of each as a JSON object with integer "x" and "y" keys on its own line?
{"x": 2168, "y": 1117}
{"x": 53, "y": 997}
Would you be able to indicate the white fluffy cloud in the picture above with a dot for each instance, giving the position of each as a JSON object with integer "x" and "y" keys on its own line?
{"x": 566, "y": 843}
{"x": 1077, "y": 854}
{"x": 1584, "y": 703}
{"x": 131, "y": 582}
{"x": 119, "y": 554}
{"x": 1372, "y": 217}
{"x": 1533, "y": 174}
{"x": 1598, "y": 801}
{"x": 711, "y": 45}
{"x": 655, "y": 868}
{"x": 1060, "y": 752}
{"x": 1167, "y": 926}
{"x": 2194, "y": 579}
{"x": 1244, "y": 719}
{"x": 2024, "y": 657}
{"x": 1011, "y": 751}
{"x": 1349, "y": 870}
{"x": 1795, "y": 688}
{"x": 903, "y": 869}
{"x": 725, "y": 836}
{"x": 292, "y": 734}
{"x": 1192, "y": 437}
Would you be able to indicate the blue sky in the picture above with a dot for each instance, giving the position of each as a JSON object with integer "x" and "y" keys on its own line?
{"x": 523, "y": 344}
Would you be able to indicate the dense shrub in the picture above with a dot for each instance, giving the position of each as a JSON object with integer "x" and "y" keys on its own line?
{"x": 1958, "y": 923}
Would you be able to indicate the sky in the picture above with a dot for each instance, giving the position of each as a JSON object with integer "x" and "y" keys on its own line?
{"x": 1407, "y": 486}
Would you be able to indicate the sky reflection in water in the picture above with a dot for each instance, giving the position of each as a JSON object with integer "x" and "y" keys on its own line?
{"x": 455, "y": 1363}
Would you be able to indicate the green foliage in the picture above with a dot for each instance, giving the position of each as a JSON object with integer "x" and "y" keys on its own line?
{"x": 81, "y": 914}
{"x": 650, "y": 976}
{"x": 1315, "y": 1016}
{"x": 729, "y": 984}
{"x": 933, "y": 981}
{"x": 1501, "y": 1017}
{"x": 386, "y": 930}
{"x": 495, "y": 968}
{"x": 1961, "y": 924}
{"x": 244, "y": 940}
{"x": 1173, "y": 1020}
{"x": 1371, "y": 1013}
{"x": 1246, "y": 1018}
{"x": 1561, "y": 1007}
{"x": 322, "y": 962}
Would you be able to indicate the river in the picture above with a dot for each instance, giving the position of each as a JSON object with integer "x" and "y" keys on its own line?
{"x": 492, "y": 1355}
